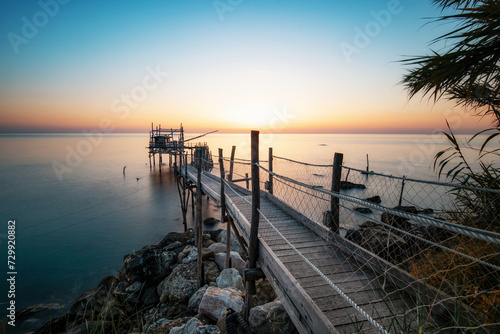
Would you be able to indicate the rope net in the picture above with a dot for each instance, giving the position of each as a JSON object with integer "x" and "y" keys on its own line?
{"x": 443, "y": 235}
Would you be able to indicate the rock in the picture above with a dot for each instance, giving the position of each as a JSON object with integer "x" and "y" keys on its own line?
{"x": 208, "y": 329}
{"x": 384, "y": 242}
{"x": 184, "y": 253}
{"x": 265, "y": 293}
{"x": 211, "y": 221}
{"x": 346, "y": 185}
{"x": 149, "y": 265}
{"x": 216, "y": 301}
{"x": 136, "y": 286}
{"x": 374, "y": 199}
{"x": 206, "y": 253}
{"x": 235, "y": 246}
{"x": 94, "y": 300}
{"x": 236, "y": 262}
{"x": 270, "y": 318}
{"x": 211, "y": 271}
{"x": 195, "y": 299}
{"x": 33, "y": 317}
{"x": 354, "y": 236}
{"x": 427, "y": 211}
{"x": 173, "y": 246}
{"x": 150, "y": 297}
{"x": 230, "y": 278}
{"x": 363, "y": 210}
{"x": 180, "y": 284}
{"x": 164, "y": 326}
{"x": 174, "y": 236}
{"x": 218, "y": 247}
{"x": 188, "y": 328}
{"x": 396, "y": 221}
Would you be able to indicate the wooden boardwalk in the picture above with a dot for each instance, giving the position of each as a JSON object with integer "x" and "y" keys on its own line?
{"x": 312, "y": 303}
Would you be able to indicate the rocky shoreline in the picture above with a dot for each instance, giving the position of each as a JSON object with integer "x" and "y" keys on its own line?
{"x": 157, "y": 291}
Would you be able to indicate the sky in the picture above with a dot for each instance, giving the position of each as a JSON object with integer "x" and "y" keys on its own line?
{"x": 317, "y": 66}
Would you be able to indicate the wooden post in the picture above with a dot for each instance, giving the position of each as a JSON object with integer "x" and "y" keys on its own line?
{"x": 334, "y": 201}
{"x": 402, "y": 189}
{"x": 223, "y": 209}
{"x": 161, "y": 160}
{"x": 247, "y": 180}
{"x": 270, "y": 167}
{"x": 253, "y": 251}
{"x": 231, "y": 164}
{"x": 199, "y": 223}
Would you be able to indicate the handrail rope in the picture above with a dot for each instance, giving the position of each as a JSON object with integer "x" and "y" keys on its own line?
{"x": 225, "y": 182}
{"x": 425, "y": 240}
{"x": 464, "y": 230}
{"x": 302, "y": 163}
{"x": 444, "y": 184}
{"x": 327, "y": 280}
{"x": 303, "y": 191}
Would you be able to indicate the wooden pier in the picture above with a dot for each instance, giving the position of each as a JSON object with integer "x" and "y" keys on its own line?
{"x": 327, "y": 284}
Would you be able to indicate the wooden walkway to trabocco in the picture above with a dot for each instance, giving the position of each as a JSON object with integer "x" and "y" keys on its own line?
{"x": 326, "y": 283}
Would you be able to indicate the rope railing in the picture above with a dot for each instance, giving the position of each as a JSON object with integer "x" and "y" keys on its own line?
{"x": 464, "y": 230}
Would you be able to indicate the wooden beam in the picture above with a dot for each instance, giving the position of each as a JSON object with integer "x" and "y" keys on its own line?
{"x": 231, "y": 164}
{"x": 270, "y": 167}
{"x": 334, "y": 201}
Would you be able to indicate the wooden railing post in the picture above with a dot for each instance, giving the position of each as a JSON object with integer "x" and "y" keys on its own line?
{"x": 199, "y": 223}
{"x": 334, "y": 201}
{"x": 223, "y": 209}
{"x": 231, "y": 164}
{"x": 270, "y": 167}
{"x": 253, "y": 252}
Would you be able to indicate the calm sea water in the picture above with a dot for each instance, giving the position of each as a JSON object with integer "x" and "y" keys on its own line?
{"x": 77, "y": 215}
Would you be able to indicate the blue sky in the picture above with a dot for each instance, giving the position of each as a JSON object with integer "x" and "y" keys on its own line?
{"x": 333, "y": 66}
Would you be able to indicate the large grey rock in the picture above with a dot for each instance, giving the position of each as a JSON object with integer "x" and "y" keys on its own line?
{"x": 184, "y": 253}
{"x": 195, "y": 299}
{"x": 265, "y": 293}
{"x": 188, "y": 328}
{"x": 149, "y": 265}
{"x": 180, "y": 284}
{"x": 235, "y": 246}
{"x": 218, "y": 247}
{"x": 270, "y": 318}
{"x": 211, "y": 271}
{"x": 206, "y": 253}
{"x": 216, "y": 301}
{"x": 208, "y": 329}
{"x": 230, "y": 278}
{"x": 236, "y": 262}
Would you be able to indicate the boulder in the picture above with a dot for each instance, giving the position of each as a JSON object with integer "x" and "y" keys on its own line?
{"x": 374, "y": 199}
{"x": 236, "y": 261}
{"x": 211, "y": 221}
{"x": 195, "y": 299}
{"x": 184, "y": 253}
{"x": 235, "y": 246}
{"x": 94, "y": 301}
{"x": 211, "y": 271}
{"x": 188, "y": 328}
{"x": 218, "y": 247}
{"x": 265, "y": 293}
{"x": 180, "y": 284}
{"x": 216, "y": 301}
{"x": 363, "y": 210}
{"x": 384, "y": 242}
{"x": 346, "y": 185}
{"x": 271, "y": 318}
{"x": 174, "y": 236}
{"x": 230, "y": 278}
{"x": 149, "y": 265}
{"x": 206, "y": 253}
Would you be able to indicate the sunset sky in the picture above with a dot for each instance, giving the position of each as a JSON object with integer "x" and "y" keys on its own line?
{"x": 232, "y": 65}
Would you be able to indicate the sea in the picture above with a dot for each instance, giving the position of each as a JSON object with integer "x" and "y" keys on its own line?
{"x": 78, "y": 210}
